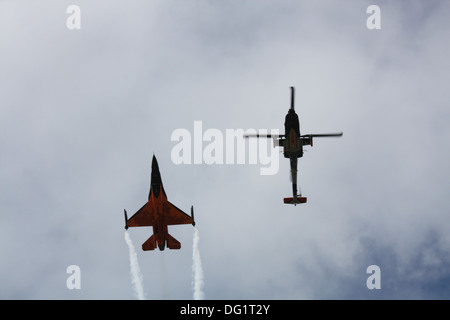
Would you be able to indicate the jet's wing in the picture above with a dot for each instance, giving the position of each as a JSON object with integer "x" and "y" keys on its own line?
{"x": 144, "y": 217}
{"x": 173, "y": 215}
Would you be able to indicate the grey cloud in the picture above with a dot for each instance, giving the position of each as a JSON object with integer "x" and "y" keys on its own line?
{"x": 82, "y": 113}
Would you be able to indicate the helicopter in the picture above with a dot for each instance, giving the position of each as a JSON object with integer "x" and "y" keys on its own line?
{"x": 292, "y": 142}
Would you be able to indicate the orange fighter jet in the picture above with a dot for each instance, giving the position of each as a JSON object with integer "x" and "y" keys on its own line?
{"x": 158, "y": 213}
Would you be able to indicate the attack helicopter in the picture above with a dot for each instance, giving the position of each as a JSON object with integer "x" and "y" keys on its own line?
{"x": 292, "y": 143}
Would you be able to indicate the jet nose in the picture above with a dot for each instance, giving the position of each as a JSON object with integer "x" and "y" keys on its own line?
{"x": 155, "y": 167}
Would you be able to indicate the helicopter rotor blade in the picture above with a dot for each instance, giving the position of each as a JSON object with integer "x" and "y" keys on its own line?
{"x": 257, "y": 135}
{"x": 339, "y": 134}
{"x": 292, "y": 98}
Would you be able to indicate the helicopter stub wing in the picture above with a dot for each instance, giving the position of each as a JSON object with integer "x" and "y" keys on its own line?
{"x": 295, "y": 201}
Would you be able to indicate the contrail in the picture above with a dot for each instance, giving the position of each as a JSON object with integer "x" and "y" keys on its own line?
{"x": 197, "y": 270}
{"x": 164, "y": 281}
{"x": 136, "y": 275}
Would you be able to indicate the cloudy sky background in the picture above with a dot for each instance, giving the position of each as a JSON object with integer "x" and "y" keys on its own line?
{"x": 83, "y": 111}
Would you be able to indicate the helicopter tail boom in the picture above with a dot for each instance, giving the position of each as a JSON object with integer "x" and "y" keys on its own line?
{"x": 295, "y": 200}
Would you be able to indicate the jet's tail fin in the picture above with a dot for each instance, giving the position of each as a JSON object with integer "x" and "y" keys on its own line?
{"x": 172, "y": 243}
{"x": 295, "y": 201}
{"x": 150, "y": 244}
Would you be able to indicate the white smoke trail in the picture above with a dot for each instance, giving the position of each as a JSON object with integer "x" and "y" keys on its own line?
{"x": 136, "y": 275}
{"x": 197, "y": 270}
{"x": 164, "y": 281}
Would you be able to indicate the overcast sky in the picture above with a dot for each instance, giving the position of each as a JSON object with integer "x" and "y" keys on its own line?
{"x": 83, "y": 111}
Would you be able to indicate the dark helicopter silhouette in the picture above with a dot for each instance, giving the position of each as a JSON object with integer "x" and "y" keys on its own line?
{"x": 292, "y": 142}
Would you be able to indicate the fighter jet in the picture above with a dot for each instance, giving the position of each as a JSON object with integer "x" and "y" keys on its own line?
{"x": 158, "y": 213}
{"x": 292, "y": 143}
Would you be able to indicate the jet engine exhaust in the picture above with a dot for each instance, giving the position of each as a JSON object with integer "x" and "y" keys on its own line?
{"x": 136, "y": 275}
{"x": 197, "y": 270}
